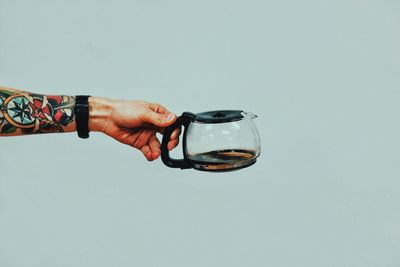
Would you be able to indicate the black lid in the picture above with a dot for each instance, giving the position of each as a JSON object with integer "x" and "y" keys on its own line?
{"x": 218, "y": 116}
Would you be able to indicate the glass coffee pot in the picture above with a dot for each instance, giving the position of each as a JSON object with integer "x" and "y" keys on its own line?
{"x": 220, "y": 140}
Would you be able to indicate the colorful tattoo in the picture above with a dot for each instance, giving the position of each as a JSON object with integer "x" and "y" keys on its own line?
{"x": 32, "y": 113}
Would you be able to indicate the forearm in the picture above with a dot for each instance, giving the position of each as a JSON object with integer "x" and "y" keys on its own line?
{"x": 131, "y": 122}
{"x": 28, "y": 113}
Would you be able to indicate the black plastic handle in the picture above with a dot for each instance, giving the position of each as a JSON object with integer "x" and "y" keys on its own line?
{"x": 183, "y": 120}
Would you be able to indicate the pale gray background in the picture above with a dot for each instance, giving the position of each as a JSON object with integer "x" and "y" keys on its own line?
{"x": 323, "y": 76}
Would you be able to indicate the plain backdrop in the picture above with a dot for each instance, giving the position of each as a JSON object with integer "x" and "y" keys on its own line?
{"x": 323, "y": 77}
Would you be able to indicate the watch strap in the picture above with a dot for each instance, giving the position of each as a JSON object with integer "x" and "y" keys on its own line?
{"x": 81, "y": 111}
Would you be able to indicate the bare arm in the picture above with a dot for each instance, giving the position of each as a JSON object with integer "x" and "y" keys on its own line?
{"x": 134, "y": 123}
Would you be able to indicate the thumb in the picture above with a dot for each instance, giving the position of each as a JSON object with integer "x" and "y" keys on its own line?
{"x": 160, "y": 120}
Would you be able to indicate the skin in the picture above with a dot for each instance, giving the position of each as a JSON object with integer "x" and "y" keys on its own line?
{"x": 131, "y": 122}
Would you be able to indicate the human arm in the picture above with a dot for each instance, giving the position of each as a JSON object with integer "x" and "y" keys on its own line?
{"x": 134, "y": 123}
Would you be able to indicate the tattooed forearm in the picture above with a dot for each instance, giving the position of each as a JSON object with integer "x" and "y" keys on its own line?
{"x": 26, "y": 113}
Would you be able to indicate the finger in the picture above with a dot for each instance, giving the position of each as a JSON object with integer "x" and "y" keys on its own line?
{"x": 175, "y": 134}
{"x": 146, "y": 152}
{"x": 156, "y": 129}
{"x": 162, "y": 130}
{"x": 160, "y": 120}
{"x": 159, "y": 108}
{"x": 142, "y": 138}
{"x": 154, "y": 144}
{"x": 172, "y": 144}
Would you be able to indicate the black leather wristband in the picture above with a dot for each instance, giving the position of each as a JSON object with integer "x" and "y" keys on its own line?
{"x": 81, "y": 111}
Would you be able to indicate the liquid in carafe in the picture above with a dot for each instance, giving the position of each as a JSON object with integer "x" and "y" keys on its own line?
{"x": 223, "y": 156}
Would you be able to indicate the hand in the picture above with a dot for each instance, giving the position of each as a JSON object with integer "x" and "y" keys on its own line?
{"x": 134, "y": 123}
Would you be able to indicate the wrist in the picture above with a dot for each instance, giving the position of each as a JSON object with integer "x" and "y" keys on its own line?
{"x": 100, "y": 110}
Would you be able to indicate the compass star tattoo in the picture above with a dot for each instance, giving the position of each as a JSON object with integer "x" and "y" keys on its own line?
{"x": 33, "y": 113}
{"x": 19, "y": 110}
